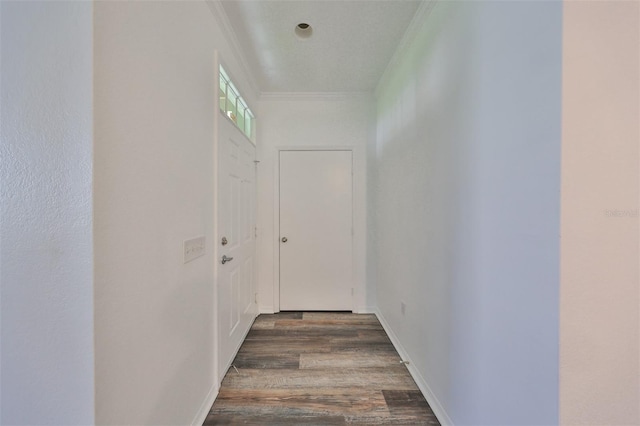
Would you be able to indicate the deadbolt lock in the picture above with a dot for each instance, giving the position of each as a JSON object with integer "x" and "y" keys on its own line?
{"x": 284, "y": 239}
{"x": 224, "y": 241}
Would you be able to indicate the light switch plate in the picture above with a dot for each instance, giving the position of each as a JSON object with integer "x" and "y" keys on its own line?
{"x": 194, "y": 248}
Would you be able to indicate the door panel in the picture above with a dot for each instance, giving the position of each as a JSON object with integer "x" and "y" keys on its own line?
{"x": 316, "y": 221}
{"x": 236, "y": 218}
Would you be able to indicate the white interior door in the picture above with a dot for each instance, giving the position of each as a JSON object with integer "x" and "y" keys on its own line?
{"x": 236, "y": 230}
{"x": 316, "y": 230}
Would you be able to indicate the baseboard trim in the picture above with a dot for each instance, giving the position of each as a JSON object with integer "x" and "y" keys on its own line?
{"x": 203, "y": 411}
{"x": 435, "y": 405}
{"x": 367, "y": 310}
{"x": 266, "y": 310}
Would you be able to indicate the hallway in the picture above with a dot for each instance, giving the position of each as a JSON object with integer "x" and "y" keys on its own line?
{"x": 319, "y": 368}
{"x": 494, "y": 221}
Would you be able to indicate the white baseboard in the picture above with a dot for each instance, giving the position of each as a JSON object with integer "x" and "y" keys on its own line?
{"x": 266, "y": 310}
{"x": 366, "y": 310}
{"x": 203, "y": 411}
{"x": 358, "y": 310}
{"x": 435, "y": 405}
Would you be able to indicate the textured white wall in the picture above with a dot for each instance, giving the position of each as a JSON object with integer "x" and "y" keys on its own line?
{"x": 154, "y": 186}
{"x": 46, "y": 259}
{"x": 599, "y": 376}
{"x": 467, "y": 189}
{"x": 316, "y": 122}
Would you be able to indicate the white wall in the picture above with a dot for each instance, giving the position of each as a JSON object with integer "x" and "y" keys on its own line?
{"x": 467, "y": 188}
{"x": 154, "y": 186}
{"x": 311, "y": 121}
{"x": 46, "y": 258}
{"x": 599, "y": 376}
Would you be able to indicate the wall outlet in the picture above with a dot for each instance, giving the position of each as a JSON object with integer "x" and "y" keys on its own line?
{"x": 403, "y": 308}
{"x": 194, "y": 248}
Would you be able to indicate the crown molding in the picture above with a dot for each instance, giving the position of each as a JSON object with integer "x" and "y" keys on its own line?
{"x": 219, "y": 14}
{"x": 422, "y": 13}
{"x": 314, "y": 96}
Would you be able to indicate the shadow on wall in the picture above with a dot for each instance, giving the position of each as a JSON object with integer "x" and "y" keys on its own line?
{"x": 468, "y": 149}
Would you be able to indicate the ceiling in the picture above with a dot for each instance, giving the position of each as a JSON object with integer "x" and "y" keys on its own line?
{"x": 351, "y": 44}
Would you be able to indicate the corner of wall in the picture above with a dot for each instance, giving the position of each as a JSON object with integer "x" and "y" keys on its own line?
{"x": 599, "y": 283}
{"x": 46, "y": 257}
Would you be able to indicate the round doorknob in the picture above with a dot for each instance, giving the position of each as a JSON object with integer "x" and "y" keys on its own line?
{"x": 284, "y": 239}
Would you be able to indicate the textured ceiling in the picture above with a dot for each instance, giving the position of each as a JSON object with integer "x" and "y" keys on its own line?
{"x": 351, "y": 44}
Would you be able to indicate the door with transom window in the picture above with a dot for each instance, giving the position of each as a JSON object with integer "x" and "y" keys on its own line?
{"x": 236, "y": 243}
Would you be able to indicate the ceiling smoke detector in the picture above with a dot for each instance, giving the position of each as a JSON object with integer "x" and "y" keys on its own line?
{"x": 303, "y": 30}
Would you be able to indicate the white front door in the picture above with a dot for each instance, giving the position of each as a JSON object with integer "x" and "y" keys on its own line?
{"x": 316, "y": 230}
{"x": 236, "y": 231}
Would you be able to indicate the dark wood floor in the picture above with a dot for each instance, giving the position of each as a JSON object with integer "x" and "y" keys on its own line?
{"x": 317, "y": 368}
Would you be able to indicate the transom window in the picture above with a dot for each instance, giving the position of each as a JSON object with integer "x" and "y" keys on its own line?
{"x": 234, "y": 106}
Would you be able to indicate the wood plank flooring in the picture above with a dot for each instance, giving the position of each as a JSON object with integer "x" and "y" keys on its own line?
{"x": 318, "y": 368}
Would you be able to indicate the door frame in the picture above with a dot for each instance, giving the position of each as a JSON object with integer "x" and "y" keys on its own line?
{"x": 357, "y": 285}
